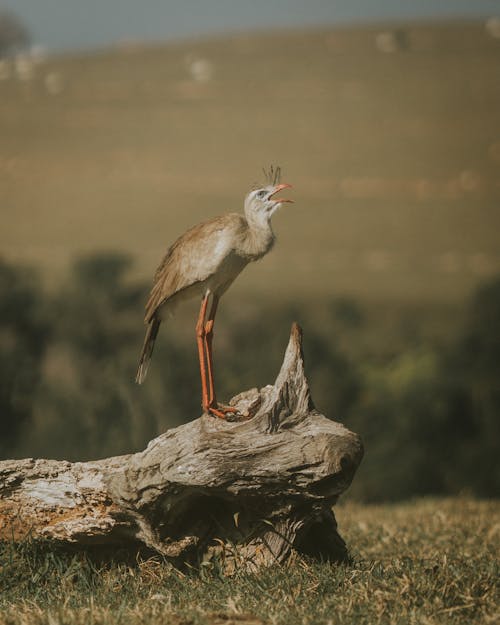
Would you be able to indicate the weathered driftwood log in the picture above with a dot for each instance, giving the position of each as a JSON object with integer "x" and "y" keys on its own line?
{"x": 249, "y": 492}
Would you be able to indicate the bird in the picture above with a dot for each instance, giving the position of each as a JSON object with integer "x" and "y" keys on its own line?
{"x": 203, "y": 262}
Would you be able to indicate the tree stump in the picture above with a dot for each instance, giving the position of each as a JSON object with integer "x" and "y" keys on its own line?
{"x": 249, "y": 492}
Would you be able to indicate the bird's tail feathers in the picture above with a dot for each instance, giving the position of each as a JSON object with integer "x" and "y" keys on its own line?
{"x": 147, "y": 349}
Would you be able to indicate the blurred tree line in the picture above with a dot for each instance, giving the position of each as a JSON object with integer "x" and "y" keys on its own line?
{"x": 427, "y": 410}
{"x": 14, "y": 36}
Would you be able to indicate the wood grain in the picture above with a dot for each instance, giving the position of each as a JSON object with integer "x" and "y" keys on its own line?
{"x": 250, "y": 492}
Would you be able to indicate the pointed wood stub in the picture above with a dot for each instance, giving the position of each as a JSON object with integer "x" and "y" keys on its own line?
{"x": 289, "y": 400}
{"x": 250, "y": 492}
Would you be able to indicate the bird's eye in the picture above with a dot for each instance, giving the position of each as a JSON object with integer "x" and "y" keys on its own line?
{"x": 262, "y": 193}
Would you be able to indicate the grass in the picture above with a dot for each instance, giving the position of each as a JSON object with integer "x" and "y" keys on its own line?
{"x": 394, "y": 156}
{"x": 426, "y": 561}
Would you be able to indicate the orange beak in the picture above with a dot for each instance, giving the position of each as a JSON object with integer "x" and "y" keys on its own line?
{"x": 277, "y": 189}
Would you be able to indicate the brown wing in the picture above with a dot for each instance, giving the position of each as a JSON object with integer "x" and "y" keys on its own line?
{"x": 193, "y": 258}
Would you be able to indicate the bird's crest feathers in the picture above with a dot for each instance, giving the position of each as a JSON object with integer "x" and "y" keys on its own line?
{"x": 272, "y": 176}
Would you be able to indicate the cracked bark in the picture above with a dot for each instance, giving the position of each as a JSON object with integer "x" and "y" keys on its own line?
{"x": 248, "y": 492}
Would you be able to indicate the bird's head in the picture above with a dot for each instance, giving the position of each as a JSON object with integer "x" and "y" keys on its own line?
{"x": 264, "y": 202}
{"x": 261, "y": 203}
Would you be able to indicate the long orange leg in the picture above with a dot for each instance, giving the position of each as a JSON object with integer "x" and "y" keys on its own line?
{"x": 200, "y": 339}
{"x": 213, "y": 406}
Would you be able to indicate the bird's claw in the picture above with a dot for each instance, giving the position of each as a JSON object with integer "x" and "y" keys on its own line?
{"x": 230, "y": 413}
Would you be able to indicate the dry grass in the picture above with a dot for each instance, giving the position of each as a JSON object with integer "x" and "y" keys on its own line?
{"x": 428, "y": 561}
{"x": 394, "y": 156}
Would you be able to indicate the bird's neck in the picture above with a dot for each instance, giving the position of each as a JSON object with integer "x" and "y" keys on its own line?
{"x": 259, "y": 237}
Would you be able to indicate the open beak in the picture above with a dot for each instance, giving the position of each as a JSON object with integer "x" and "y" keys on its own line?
{"x": 277, "y": 189}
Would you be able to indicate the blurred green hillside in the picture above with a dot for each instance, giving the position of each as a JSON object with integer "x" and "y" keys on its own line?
{"x": 389, "y": 134}
{"x": 425, "y": 403}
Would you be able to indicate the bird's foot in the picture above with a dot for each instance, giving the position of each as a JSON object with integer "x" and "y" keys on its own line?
{"x": 230, "y": 413}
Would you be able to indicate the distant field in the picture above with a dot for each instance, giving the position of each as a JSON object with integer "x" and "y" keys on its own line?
{"x": 390, "y": 136}
{"x": 431, "y": 561}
